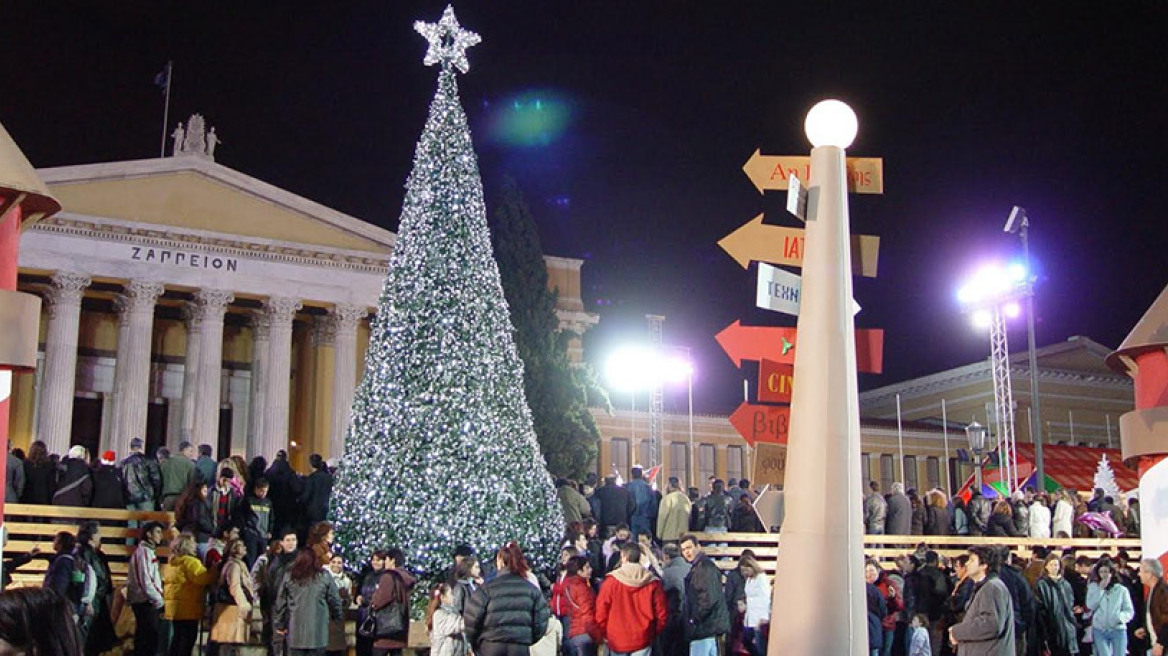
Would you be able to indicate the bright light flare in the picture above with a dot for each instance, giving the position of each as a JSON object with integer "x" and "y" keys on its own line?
{"x": 992, "y": 283}
{"x": 982, "y": 319}
{"x": 635, "y": 369}
{"x": 1012, "y": 310}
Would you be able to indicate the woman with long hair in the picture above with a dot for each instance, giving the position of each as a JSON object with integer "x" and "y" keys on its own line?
{"x": 468, "y": 576}
{"x": 38, "y": 622}
{"x": 1001, "y": 523}
{"x": 1056, "y": 614}
{"x": 193, "y": 515}
{"x": 391, "y": 601}
{"x": 184, "y": 582}
{"x": 937, "y": 518}
{"x": 40, "y": 475}
{"x": 507, "y": 628}
{"x": 1111, "y": 609}
{"x": 234, "y": 598}
{"x": 306, "y": 602}
{"x": 320, "y": 542}
{"x": 960, "y": 516}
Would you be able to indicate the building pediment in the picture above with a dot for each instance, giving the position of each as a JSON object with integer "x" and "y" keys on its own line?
{"x": 197, "y": 194}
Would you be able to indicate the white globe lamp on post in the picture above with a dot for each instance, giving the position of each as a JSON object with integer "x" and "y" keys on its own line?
{"x": 822, "y": 538}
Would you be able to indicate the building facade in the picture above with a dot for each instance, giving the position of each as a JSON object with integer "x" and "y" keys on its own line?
{"x": 188, "y": 301}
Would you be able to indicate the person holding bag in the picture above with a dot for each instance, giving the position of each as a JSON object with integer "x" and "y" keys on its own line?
{"x": 234, "y": 598}
{"x": 389, "y": 610}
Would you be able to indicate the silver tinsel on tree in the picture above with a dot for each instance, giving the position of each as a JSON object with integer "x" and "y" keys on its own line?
{"x": 441, "y": 449}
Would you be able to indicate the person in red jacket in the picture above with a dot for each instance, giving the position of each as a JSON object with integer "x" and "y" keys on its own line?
{"x": 580, "y": 602}
{"x": 631, "y": 610}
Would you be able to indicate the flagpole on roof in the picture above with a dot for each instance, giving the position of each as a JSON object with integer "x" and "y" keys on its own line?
{"x": 166, "y": 107}
{"x": 945, "y": 433}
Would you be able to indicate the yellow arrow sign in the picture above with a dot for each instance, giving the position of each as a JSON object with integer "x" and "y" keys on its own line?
{"x": 769, "y": 172}
{"x": 779, "y": 245}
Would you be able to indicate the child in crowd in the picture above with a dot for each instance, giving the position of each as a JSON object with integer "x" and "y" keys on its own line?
{"x": 446, "y": 638}
{"x": 918, "y": 636}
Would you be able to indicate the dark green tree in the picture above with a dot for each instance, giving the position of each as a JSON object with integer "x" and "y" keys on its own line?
{"x": 556, "y": 391}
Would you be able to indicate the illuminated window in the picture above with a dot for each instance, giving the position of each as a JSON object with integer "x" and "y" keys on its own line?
{"x": 619, "y": 457}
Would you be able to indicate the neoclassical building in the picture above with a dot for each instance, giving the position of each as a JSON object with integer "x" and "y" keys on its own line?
{"x": 186, "y": 300}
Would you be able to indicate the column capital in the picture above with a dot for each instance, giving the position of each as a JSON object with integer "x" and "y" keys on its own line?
{"x": 139, "y": 295}
{"x": 281, "y": 310}
{"x": 209, "y": 304}
{"x": 67, "y": 288}
{"x": 345, "y": 318}
{"x": 324, "y": 331}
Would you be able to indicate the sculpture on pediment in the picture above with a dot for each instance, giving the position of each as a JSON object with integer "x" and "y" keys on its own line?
{"x": 178, "y": 135}
{"x": 212, "y": 141}
{"x": 195, "y": 143}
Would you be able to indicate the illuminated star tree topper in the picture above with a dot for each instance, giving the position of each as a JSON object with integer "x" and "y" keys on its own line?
{"x": 441, "y": 450}
{"x": 448, "y": 41}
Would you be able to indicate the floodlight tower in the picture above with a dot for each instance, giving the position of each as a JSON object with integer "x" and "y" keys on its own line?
{"x": 992, "y": 296}
{"x": 656, "y": 395}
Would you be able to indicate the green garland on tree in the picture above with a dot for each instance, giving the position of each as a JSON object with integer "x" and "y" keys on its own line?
{"x": 441, "y": 450}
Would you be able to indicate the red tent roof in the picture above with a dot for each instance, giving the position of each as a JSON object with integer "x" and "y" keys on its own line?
{"x": 1074, "y": 467}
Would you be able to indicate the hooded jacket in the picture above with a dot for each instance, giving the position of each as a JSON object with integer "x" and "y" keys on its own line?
{"x": 631, "y": 609}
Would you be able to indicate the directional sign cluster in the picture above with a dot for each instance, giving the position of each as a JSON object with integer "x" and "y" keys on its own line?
{"x": 779, "y": 290}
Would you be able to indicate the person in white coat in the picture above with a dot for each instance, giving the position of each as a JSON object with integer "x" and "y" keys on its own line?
{"x": 1039, "y": 518}
{"x": 758, "y": 606}
{"x": 1064, "y": 515}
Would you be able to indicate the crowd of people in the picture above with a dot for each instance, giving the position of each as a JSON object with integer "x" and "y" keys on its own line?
{"x": 249, "y": 542}
{"x": 1026, "y": 514}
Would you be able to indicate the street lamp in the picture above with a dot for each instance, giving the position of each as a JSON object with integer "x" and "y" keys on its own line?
{"x": 976, "y": 434}
{"x": 990, "y": 297}
{"x": 637, "y": 368}
{"x": 823, "y": 532}
{"x": 1018, "y": 223}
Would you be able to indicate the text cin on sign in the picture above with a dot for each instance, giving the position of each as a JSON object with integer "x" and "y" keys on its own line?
{"x": 183, "y": 258}
{"x": 775, "y": 382}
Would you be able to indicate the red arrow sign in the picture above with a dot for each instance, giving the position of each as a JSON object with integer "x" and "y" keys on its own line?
{"x": 762, "y": 423}
{"x": 778, "y": 345}
{"x": 775, "y": 382}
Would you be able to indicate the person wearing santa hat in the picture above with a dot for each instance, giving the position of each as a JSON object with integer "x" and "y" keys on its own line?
{"x": 108, "y": 486}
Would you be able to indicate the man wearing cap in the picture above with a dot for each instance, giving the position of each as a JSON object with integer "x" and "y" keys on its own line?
{"x": 143, "y": 478}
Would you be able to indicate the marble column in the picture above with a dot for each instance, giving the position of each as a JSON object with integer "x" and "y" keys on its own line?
{"x": 132, "y": 375}
{"x": 280, "y": 311}
{"x": 261, "y": 337}
{"x": 208, "y": 309}
{"x": 345, "y": 319}
{"x": 56, "y": 403}
{"x": 190, "y": 374}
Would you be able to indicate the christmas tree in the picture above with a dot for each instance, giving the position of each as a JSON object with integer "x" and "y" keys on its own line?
{"x": 441, "y": 450}
{"x": 1105, "y": 480}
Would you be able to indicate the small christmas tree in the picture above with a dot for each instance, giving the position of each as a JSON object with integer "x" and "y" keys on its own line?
{"x": 1105, "y": 480}
{"x": 441, "y": 450}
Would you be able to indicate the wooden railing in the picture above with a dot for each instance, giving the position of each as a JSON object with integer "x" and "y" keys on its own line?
{"x": 887, "y": 548}
{"x": 34, "y": 525}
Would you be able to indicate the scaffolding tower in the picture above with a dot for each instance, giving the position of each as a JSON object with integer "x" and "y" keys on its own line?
{"x": 1003, "y": 400}
{"x": 656, "y": 395}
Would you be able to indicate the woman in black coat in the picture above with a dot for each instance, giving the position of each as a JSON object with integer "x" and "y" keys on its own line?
{"x": 40, "y": 475}
{"x": 937, "y": 520}
{"x": 192, "y": 514}
{"x": 508, "y": 614}
{"x": 1001, "y": 522}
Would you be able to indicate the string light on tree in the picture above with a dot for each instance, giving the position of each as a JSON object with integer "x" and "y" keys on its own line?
{"x": 441, "y": 450}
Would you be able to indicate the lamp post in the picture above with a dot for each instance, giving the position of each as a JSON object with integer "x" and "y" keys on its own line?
{"x": 822, "y": 535}
{"x": 1018, "y": 223}
{"x": 976, "y": 434}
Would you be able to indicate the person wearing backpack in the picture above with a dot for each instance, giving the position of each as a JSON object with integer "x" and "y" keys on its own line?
{"x": 68, "y": 577}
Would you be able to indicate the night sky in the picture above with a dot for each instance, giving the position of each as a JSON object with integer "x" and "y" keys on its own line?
{"x": 627, "y": 124}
